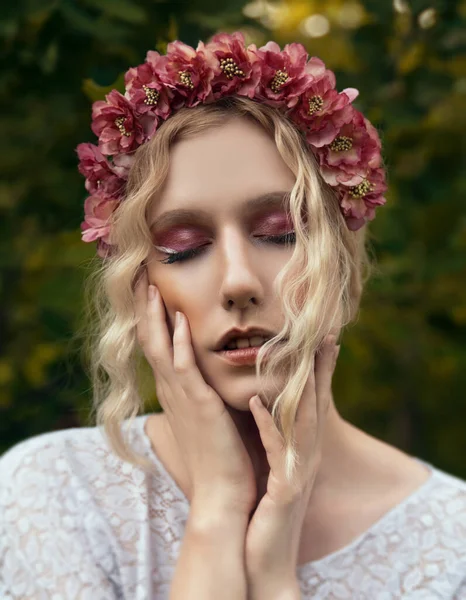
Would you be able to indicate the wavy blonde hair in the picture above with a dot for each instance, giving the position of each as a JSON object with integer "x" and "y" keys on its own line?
{"x": 321, "y": 284}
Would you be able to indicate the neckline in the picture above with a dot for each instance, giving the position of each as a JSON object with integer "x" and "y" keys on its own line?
{"x": 305, "y": 567}
{"x": 150, "y": 452}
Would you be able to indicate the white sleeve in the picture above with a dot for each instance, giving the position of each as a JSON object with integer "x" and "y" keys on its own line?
{"x": 460, "y": 593}
{"x": 46, "y": 516}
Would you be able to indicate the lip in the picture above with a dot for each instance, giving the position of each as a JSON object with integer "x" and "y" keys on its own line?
{"x": 241, "y": 357}
{"x": 236, "y": 332}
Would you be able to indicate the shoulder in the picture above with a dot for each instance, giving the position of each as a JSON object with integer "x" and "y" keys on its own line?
{"x": 46, "y": 453}
{"x": 53, "y": 539}
{"x": 46, "y": 475}
{"x": 80, "y": 453}
{"x": 444, "y": 510}
{"x": 445, "y": 502}
{"x": 433, "y": 530}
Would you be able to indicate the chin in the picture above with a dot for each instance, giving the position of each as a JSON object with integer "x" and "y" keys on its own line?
{"x": 240, "y": 404}
{"x": 237, "y": 400}
{"x": 236, "y": 388}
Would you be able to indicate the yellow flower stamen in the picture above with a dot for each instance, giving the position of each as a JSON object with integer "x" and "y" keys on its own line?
{"x": 119, "y": 122}
{"x": 278, "y": 81}
{"x": 185, "y": 79}
{"x": 342, "y": 143}
{"x": 360, "y": 190}
{"x": 152, "y": 96}
{"x": 230, "y": 68}
{"x": 315, "y": 104}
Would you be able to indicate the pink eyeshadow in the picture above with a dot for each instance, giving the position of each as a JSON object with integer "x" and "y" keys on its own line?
{"x": 180, "y": 238}
{"x": 177, "y": 239}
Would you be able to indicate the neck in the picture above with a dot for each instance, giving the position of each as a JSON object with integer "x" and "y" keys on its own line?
{"x": 339, "y": 452}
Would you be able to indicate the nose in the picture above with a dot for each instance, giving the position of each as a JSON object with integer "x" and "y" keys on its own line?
{"x": 241, "y": 284}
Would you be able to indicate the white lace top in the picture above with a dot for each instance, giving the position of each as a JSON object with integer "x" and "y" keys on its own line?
{"x": 76, "y": 522}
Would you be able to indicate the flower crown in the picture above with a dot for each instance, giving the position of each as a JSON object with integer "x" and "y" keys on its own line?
{"x": 346, "y": 145}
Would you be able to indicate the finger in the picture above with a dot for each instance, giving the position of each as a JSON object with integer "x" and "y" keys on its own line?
{"x": 271, "y": 438}
{"x": 278, "y": 488}
{"x": 186, "y": 369}
{"x": 183, "y": 354}
{"x": 157, "y": 342}
{"x": 307, "y": 415}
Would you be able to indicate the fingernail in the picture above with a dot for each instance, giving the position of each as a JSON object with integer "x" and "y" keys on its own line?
{"x": 178, "y": 318}
{"x": 151, "y": 292}
{"x": 257, "y": 402}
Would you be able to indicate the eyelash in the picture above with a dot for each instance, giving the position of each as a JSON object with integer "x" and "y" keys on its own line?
{"x": 187, "y": 254}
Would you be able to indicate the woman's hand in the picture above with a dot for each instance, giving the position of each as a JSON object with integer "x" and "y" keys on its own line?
{"x": 273, "y": 535}
{"x": 219, "y": 466}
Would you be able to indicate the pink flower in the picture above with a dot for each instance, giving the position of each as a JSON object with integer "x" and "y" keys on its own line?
{"x": 359, "y": 203}
{"x": 352, "y": 152}
{"x": 188, "y": 72}
{"x": 122, "y": 163}
{"x": 116, "y": 125}
{"x": 96, "y": 220}
{"x": 146, "y": 93}
{"x": 102, "y": 177}
{"x": 235, "y": 70}
{"x": 346, "y": 145}
{"x": 285, "y": 74}
{"x": 321, "y": 111}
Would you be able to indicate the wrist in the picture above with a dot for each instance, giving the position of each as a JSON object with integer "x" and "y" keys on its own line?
{"x": 268, "y": 588}
{"x": 208, "y": 517}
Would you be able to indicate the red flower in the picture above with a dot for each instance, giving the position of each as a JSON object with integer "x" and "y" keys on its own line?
{"x": 116, "y": 125}
{"x": 354, "y": 151}
{"x": 146, "y": 93}
{"x": 122, "y": 163}
{"x": 321, "y": 111}
{"x": 359, "y": 202}
{"x": 236, "y": 69}
{"x": 96, "y": 219}
{"x": 102, "y": 177}
{"x": 345, "y": 144}
{"x": 285, "y": 74}
{"x": 188, "y": 72}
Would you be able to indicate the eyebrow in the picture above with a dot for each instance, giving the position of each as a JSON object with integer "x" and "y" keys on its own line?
{"x": 182, "y": 215}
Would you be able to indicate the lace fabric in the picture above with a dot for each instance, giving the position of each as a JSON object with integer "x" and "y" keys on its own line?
{"x": 76, "y": 522}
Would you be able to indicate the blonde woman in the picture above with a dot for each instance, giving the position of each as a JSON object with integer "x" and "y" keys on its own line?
{"x": 229, "y": 195}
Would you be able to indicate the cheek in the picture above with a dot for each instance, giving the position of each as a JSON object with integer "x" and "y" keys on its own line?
{"x": 177, "y": 296}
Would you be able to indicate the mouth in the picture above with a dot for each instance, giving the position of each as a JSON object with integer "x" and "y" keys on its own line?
{"x": 241, "y": 356}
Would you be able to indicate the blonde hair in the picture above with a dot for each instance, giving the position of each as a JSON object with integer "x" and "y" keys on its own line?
{"x": 321, "y": 284}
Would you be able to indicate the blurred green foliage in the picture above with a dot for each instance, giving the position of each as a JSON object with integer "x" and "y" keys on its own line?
{"x": 401, "y": 374}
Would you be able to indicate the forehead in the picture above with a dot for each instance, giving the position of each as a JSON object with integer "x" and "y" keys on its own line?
{"x": 222, "y": 168}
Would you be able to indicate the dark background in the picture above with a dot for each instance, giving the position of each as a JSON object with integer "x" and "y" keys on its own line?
{"x": 401, "y": 374}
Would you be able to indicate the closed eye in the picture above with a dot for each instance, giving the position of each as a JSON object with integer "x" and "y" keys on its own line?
{"x": 287, "y": 238}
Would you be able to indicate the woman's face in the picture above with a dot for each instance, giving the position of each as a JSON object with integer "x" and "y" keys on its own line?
{"x": 223, "y": 176}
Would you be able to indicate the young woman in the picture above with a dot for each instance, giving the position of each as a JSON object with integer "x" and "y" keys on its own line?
{"x": 231, "y": 220}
